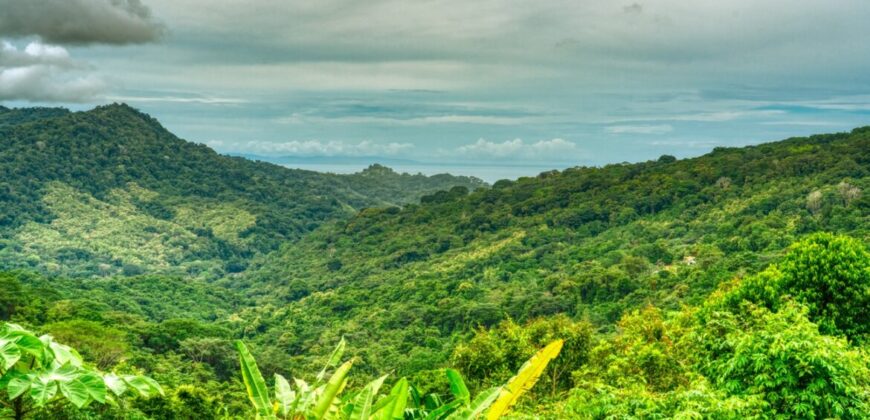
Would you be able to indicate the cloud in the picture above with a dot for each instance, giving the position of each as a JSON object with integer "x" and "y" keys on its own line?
{"x": 79, "y": 22}
{"x": 555, "y": 149}
{"x": 633, "y": 9}
{"x": 639, "y": 129}
{"x": 716, "y": 116}
{"x": 297, "y": 118}
{"x": 42, "y": 72}
{"x": 33, "y": 53}
{"x": 310, "y": 148}
{"x": 208, "y": 100}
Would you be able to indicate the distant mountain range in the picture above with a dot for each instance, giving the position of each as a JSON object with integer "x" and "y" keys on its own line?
{"x": 340, "y": 160}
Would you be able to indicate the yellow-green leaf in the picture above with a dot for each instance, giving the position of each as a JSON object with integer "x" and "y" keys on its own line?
{"x": 524, "y": 380}
{"x": 254, "y": 383}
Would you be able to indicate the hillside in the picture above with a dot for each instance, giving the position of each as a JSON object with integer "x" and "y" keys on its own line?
{"x": 732, "y": 285}
{"x": 111, "y": 191}
{"x": 588, "y": 242}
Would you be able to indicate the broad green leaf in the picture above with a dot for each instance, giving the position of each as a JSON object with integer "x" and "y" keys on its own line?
{"x": 76, "y": 392}
{"x": 115, "y": 384}
{"x": 59, "y": 354}
{"x": 333, "y": 387}
{"x": 524, "y": 380}
{"x": 432, "y": 401}
{"x": 457, "y": 386}
{"x": 143, "y": 385}
{"x": 362, "y": 404}
{"x": 64, "y": 354}
{"x": 379, "y": 407}
{"x": 478, "y": 406}
{"x": 395, "y": 409}
{"x": 9, "y": 354}
{"x": 254, "y": 383}
{"x": 284, "y": 395}
{"x": 27, "y": 342}
{"x": 18, "y": 384}
{"x": 65, "y": 373}
{"x": 444, "y": 410}
{"x": 334, "y": 359}
{"x": 95, "y": 386}
{"x": 8, "y": 327}
{"x": 42, "y": 391}
{"x": 416, "y": 399}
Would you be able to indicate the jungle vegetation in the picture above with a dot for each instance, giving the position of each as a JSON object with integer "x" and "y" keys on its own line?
{"x": 732, "y": 285}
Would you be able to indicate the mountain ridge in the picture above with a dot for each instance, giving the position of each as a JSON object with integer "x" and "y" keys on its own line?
{"x": 588, "y": 242}
{"x": 126, "y": 174}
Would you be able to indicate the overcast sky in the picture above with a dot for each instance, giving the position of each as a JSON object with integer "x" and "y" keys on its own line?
{"x": 551, "y": 83}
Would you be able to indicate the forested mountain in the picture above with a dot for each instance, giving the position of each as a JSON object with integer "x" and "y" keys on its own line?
{"x": 111, "y": 191}
{"x": 588, "y": 242}
{"x": 732, "y": 285}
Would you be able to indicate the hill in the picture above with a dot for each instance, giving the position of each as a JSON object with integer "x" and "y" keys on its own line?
{"x": 111, "y": 191}
{"x": 732, "y": 285}
{"x": 405, "y": 285}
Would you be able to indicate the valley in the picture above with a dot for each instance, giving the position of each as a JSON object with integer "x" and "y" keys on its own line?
{"x": 152, "y": 255}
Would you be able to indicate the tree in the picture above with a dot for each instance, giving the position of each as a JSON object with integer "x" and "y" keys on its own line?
{"x": 814, "y": 202}
{"x": 12, "y": 296}
{"x": 829, "y": 274}
{"x": 491, "y": 356}
{"x": 848, "y": 192}
{"x": 781, "y": 358}
{"x": 106, "y": 346}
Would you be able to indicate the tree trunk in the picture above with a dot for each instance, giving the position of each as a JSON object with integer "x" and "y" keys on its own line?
{"x": 18, "y": 408}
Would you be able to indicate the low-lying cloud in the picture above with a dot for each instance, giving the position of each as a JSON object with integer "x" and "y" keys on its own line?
{"x": 639, "y": 129}
{"x": 555, "y": 149}
{"x": 79, "y": 22}
{"x": 317, "y": 148}
{"x": 40, "y": 72}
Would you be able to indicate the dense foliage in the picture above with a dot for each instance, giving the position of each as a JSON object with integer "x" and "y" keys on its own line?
{"x": 111, "y": 191}
{"x": 733, "y": 285}
{"x": 734, "y": 356}
{"x": 590, "y": 243}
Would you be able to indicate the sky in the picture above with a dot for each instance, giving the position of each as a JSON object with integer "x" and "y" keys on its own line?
{"x": 518, "y": 85}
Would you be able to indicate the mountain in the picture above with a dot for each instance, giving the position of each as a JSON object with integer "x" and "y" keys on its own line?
{"x": 112, "y": 191}
{"x": 732, "y": 285}
{"x": 592, "y": 243}
{"x": 288, "y": 160}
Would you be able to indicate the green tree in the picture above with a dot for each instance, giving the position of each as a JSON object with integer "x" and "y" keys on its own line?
{"x": 781, "y": 358}
{"x": 829, "y": 274}
{"x": 13, "y": 296}
{"x": 106, "y": 346}
{"x": 491, "y": 356}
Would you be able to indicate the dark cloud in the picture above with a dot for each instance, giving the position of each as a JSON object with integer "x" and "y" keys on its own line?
{"x": 79, "y": 21}
{"x": 633, "y": 9}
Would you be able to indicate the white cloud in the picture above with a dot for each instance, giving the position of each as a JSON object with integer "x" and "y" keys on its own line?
{"x": 318, "y": 148}
{"x": 716, "y": 116}
{"x": 639, "y": 129}
{"x": 41, "y": 72}
{"x": 555, "y": 149}
{"x": 413, "y": 121}
{"x": 33, "y": 53}
{"x": 209, "y": 100}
